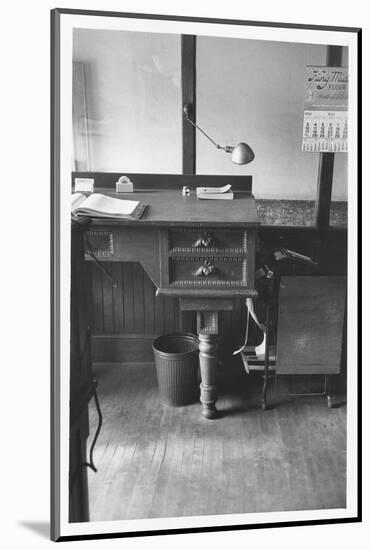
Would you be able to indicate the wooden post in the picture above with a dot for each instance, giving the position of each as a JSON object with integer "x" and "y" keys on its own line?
{"x": 326, "y": 161}
{"x": 188, "y": 64}
{"x": 188, "y": 49}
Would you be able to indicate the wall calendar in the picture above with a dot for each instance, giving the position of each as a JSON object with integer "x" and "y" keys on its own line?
{"x": 325, "y": 131}
{"x": 325, "y": 124}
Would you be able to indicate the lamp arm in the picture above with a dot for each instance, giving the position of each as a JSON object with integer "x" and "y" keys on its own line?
{"x": 186, "y": 112}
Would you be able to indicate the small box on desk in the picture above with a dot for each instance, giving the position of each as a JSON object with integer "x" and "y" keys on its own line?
{"x": 84, "y": 185}
{"x": 124, "y": 185}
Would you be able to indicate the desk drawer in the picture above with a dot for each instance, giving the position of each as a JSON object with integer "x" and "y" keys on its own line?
{"x": 208, "y": 271}
{"x": 199, "y": 240}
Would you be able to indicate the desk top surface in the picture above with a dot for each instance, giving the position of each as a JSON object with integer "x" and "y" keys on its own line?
{"x": 170, "y": 208}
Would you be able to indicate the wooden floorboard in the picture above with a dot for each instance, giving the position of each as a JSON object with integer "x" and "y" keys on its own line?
{"x": 157, "y": 461}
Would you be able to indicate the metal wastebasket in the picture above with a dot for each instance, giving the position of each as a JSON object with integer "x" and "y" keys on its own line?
{"x": 177, "y": 367}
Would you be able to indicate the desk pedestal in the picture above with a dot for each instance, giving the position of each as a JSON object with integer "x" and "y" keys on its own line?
{"x": 208, "y": 364}
{"x": 207, "y": 328}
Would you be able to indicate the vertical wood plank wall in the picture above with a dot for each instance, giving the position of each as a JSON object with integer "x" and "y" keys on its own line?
{"x": 131, "y": 307}
{"x": 126, "y": 318}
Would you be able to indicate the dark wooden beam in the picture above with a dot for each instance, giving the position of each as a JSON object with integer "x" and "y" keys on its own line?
{"x": 326, "y": 161}
{"x": 324, "y": 190}
{"x": 188, "y": 62}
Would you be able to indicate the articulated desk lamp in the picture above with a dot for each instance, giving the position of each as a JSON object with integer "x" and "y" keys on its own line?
{"x": 241, "y": 153}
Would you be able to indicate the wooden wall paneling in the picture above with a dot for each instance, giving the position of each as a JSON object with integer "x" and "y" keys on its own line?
{"x": 108, "y": 319}
{"x": 171, "y": 315}
{"x": 118, "y": 298}
{"x": 177, "y": 324}
{"x": 331, "y": 253}
{"x": 224, "y": 321}
{"x": 160, "y": 314}
{"x": 187, "y": 321}
{"x": 127, "y": 278}
{"x": 305, "y": 240}
{"x": 88, "y": 277}
{"x": 138, "y": 298}
{"x": 232, "y": 326}
{"x": 237, "y": 323}
{"x": 168, "y": 316}
{"x": 333, "y": 256}
{"x": 97, "y": 299}
{"x": 122, "y": 348}
{"x": 149, "y": 304}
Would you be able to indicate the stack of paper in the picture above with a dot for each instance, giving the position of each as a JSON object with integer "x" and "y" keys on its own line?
{"x": 97, "y": 205}
{"x": 219, "y": 193}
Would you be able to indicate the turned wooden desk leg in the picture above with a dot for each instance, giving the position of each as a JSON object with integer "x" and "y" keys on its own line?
{"x": 207, "y": 325}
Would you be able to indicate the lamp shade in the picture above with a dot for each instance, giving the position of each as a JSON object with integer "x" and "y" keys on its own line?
{"x": 242, "y": 154}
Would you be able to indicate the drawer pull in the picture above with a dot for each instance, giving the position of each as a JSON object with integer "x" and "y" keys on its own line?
{"x": 203, "y": 242}
{"x": 205, "y": 270}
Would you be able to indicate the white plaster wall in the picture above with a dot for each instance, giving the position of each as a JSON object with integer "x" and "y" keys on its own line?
{"x": 133, "y": 99}
{"x": 253, "y": 91}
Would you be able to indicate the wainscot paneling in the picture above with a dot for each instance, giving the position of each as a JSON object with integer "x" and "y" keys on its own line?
{"x": 127, "y": 317}
{"x": 122, "y": 348}
{"x": 131, "y": 306}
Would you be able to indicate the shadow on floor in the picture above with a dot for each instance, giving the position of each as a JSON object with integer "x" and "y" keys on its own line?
{"x": 42, "y": 528}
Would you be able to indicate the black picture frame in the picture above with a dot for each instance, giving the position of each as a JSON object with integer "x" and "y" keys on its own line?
{"x": 58, "y": 273}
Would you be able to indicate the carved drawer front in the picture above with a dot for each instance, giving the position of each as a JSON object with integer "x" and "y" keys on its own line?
{"x": 201, "y": 240}
{"x": 208, "y": 271}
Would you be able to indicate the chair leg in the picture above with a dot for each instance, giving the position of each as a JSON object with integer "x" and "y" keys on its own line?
{"x": 331, "y": 397}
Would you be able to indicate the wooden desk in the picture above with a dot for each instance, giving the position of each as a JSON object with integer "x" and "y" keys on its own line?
{"x": 202, "y": 252}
